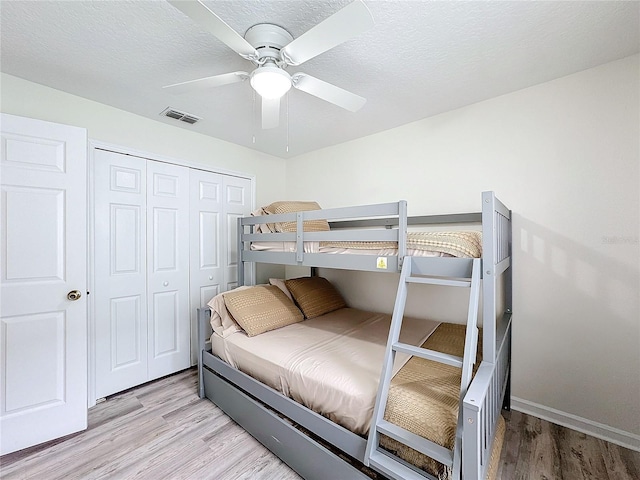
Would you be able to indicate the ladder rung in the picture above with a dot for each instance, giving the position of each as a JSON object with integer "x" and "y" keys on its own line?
{"x": 428, "y": 354}
{"x": 439, "y": 281}
{"x": 422, "y": 445}
{"x": 392, "y": 468}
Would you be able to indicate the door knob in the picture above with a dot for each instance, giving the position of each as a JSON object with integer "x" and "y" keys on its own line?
{"x": 74, "y": 295}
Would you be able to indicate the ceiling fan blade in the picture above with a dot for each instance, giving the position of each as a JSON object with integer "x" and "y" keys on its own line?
{"x": 327, "y": 91}
{"x": 353, "y": 19}
{"x": 207, "y": 82}
{"x": 203, "y": 15}
{"x": 270, "y": 113}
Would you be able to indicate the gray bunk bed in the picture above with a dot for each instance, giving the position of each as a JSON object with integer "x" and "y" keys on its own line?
{"x": 313, "y": 445}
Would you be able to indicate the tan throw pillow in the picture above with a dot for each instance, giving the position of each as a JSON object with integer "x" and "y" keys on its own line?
{"x": 261, "y": 309}
{"x": 277, "y": 208}
{"x": 315, "y": 295}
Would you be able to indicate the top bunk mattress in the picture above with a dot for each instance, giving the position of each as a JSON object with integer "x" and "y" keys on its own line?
{"x": 461, "y": 244}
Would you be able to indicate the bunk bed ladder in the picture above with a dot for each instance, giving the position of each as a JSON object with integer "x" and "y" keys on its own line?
{"x": 382, "y": 460}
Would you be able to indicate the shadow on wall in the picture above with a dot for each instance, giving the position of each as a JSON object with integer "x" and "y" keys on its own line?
{"x": 577, "y": 324}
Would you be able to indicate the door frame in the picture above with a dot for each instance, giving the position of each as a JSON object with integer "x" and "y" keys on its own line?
{"x": 111, "y": 147}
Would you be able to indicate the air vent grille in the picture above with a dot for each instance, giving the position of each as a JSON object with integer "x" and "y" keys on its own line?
{"x": 180, "y": 116}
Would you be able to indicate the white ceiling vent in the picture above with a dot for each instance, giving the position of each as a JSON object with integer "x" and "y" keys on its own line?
{"x": 181, "y": 116}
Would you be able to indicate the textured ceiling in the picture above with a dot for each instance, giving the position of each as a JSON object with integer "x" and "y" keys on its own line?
{"x": 421, "y": 58}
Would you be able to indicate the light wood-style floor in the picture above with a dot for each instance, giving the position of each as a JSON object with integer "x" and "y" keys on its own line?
{"x": 162, "y": 430}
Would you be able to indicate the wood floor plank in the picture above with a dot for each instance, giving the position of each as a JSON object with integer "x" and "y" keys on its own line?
{"x": 162, "y": 430}
{"x": 528, "y": 434}
{"x": 177, "y": 462}
{"x": 621, "y": 463}
{"x": 140, "y": 424}
{"x": 116, "y": 407}
{"x": 543, "y": 461}
{"x": 511, "y": 445}
{"x": 579, "y": 456}
{"x": 631, "y": 460}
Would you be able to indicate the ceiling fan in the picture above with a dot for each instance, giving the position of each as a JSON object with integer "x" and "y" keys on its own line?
{"x": 272, "y": 49}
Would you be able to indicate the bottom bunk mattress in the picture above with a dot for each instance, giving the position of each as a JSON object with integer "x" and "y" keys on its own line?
{"x": 332, "y": 363}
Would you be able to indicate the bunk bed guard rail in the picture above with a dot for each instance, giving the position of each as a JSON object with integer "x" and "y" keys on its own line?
{"x": 392, "y": 217}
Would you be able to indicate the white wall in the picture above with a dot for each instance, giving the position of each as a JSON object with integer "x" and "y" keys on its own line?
{"x": 564, "y": 156}
{"x": 117, "y": 127}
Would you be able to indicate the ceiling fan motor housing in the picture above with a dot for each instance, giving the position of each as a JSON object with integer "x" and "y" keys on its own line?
{"x": 268, "y": 40}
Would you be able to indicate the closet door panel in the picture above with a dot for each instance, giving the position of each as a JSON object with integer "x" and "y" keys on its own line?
{"x": 238, "y": 202}
{"x": 166, "y": 322}
{"x": 168, "y": 268}
{"x": 120, "y": 272}
{"x": 206, "y": 273}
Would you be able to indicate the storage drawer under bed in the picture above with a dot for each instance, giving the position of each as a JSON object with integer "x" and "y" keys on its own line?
{"x": 307, "y": 457}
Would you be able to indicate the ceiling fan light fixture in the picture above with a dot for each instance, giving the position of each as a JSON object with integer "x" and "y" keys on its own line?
{"x": 270, "y": 82}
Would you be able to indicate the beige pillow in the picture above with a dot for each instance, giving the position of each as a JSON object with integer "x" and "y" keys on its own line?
{"x": 221, "y": 320}
{"x": 261, "y": 309}
{"x": 277, "y": 208}
{"x": 315, "y": 295}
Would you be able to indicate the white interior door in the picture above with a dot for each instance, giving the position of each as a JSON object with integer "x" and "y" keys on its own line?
{"x": 120, "y": 271}
{"x": 206, "y": 274}
{"x": 168, "y": 268}
{"x": 43, "y": 334}
{"x": 238, "y": 201}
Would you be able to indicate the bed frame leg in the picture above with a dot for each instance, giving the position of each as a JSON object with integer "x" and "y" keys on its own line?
{"x": 506, "y": 401}
{"x": 203, "y": 315}
{"x": 200, "y": 377}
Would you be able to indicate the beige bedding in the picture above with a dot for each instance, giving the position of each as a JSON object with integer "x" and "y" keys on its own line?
{"x": 331, "y": 364}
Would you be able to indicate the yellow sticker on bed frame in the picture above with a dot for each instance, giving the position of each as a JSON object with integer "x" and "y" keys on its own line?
{"x": 381, "y": 263}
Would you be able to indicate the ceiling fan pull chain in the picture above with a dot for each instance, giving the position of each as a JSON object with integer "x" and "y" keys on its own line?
{"x": 287, "y": 120}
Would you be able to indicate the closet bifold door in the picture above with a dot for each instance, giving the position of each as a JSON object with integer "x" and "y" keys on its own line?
{"x": 120, "y": 271}
{"x": 167, "y": 268}
{"x": 206, "y": 244}
{"x": 216, "y": 203}
{"x": 141, "y": 270}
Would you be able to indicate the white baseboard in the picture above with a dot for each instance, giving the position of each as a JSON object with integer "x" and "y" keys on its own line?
{"x": 595, "y": 429}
